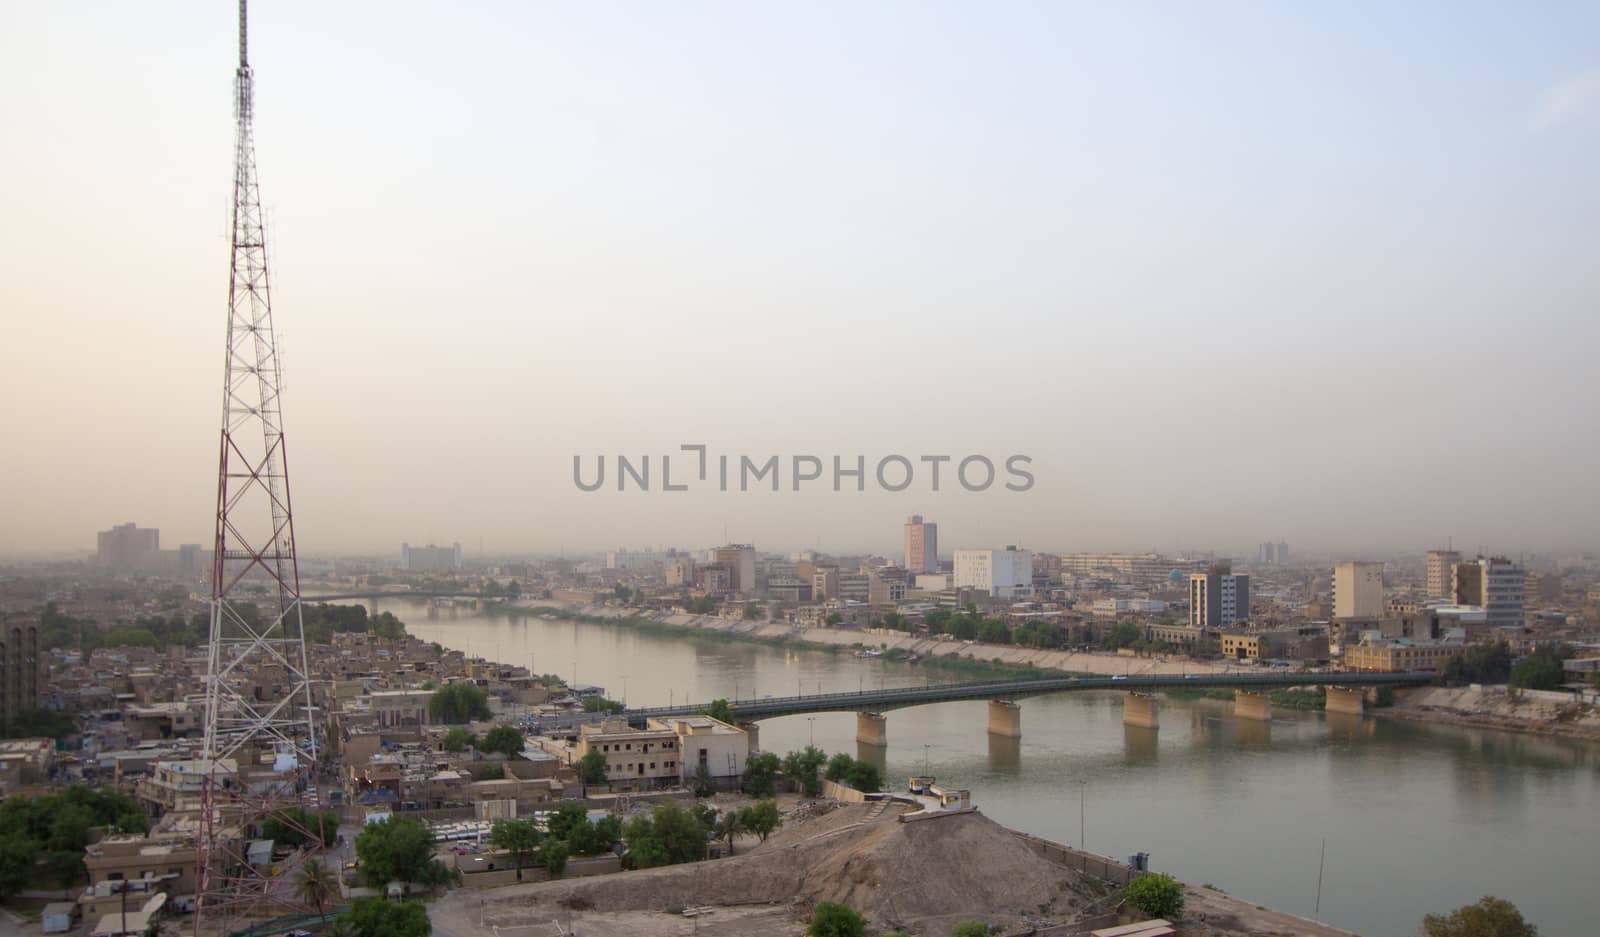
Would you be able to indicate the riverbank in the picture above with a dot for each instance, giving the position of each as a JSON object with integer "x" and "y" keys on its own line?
{"x": 1007, "y": 660}
{"x": 922, "y": 877}
{"x": 1498, "y": 707}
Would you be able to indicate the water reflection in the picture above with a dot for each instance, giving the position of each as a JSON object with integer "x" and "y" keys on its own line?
{"x": 1252, "y": 733}
{"x": 1005, "y": 754}
{"x": 1139, "y": 744}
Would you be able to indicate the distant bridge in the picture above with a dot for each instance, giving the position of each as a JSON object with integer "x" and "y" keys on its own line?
{"x": 347, "y": 596}
{"x": 1346, "y": 693}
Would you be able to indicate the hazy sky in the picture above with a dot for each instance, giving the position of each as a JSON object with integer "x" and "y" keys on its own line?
{"x": 1227, "y": 272}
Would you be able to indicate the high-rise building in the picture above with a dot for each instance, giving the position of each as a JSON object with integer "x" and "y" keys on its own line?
{"x": 19, "y": 669}
{"x": 1139, "y": 569}
{"x": 128, "y": 546}
{"x": 1272, "y": 554}
{"x": 1218, "y": 597}
{"x": 922, "y": 545}
{"x": 1358, "y": 590}
{"x": 740, "y": 558}
{"x": 635, "y": 561}
{"x": 1495, "y": 584}
{"x": 430, "y": 559}
{"x": 1441, "y": 573}
{"x": 1004, "y": 574}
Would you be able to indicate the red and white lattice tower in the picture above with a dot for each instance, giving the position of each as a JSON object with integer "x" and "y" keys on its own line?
{"x": 260, "y": 753}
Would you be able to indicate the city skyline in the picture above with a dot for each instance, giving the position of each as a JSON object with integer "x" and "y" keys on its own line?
{"x": 1210, "y": 307}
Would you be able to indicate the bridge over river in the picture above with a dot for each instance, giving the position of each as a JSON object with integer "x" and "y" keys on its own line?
{"x": 1346, "y": 692}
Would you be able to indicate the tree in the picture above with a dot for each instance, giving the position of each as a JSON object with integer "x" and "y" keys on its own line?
{"x": 37, "y": 722}
{"x": 701, "y": 782}
{"x": 706, "y": 815}
{"x": 729, "y": 826}
{"x": 592, "y": 767}
{"x": 503, "y": 740}
{"x": 761, "y": 774}
{"x": 668, "y": 834}
{"x": 458, "y": 739}
{"x": 375, "y": 917}
{"x": 1482, "y": 662}
{"x": 1122, "y": 634}
{"x": 836, "y": 920}
{"x": 804, "y": 768}
{"x": 970, "y": 929}
{"x": 762, "y": 818}
{"x": 458, "y": 703}
{"x": 42, "y": 838}
{"x": 838, "y": 766}
{"x": 719, "y": 710}
{"x": 755, "y": 612}
{"x": 519, "y": 837}
{"x": 993, "y": 631}
{"x": 398, "y": 849}
{"x": 607, "y": 831}
{"x": 1540, "y": 670}
{"x": 1156, "y": 895}
{"x": 864, "y": 777}
{"x": 554, "y": 856}
{"x": 599, "y": 704}
{"x": 1490, "y": 917}
{"x": 315, "y": 883}
{"x": 296, "y": 826}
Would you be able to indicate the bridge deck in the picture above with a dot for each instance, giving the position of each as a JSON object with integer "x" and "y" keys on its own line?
{"x": 885, "y": 699}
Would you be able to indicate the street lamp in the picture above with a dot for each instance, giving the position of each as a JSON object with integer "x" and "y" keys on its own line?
{"x": 624, "y": 690}
{"x": 925, "y": 749}
{"x": 813, "y": 721}
{"x": 1083, "y": 799}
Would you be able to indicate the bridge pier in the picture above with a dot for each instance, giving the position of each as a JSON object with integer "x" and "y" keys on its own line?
{"x": 1342, "y": 700}
{"x": 872, "y": 729}
{"x": 1248, "y": 705}
{"x": 752, "y": 732}
{"x": 1141, "y": 710}
{"x": 1005, "y": 718}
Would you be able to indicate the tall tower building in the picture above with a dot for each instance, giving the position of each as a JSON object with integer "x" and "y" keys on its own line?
{"x": 922, "y": 545}
{"x": 20, "y": 666}
{"x": 1441, "y": 573}
{"x": 1358, "y": 590}
{"x": 1218, "y": 597}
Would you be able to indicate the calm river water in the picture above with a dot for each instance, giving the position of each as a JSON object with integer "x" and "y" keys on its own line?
{"x": 1417, "y": 818}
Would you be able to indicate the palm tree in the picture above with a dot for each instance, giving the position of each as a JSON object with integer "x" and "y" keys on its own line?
{"x": 315, "y": 883}
{"x": 730, "y": 825}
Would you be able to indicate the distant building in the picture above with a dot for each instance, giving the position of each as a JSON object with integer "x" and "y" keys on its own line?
{"x": 635, "y": 561}
{"x": 922, "y": 545}
{"x": 128, "y": 547}
{"x": 1141, "y": 569}
{"x": 1495, "y": 584}
{"x": 20, "y": 669}
{"x": 1358, "y": 590}
{"x": 1004, "y": 574}
{"x": 430, "y": 559}
{"x": 740, "y": 558}
{"x": 1218, "y": 597}
{"x": 1399, "y": 655}
{"x": 1272, "y": 554}
{"x": 1441, "y": 573}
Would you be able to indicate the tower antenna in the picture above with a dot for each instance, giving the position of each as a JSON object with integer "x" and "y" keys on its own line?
{"x": 260, "y": 749}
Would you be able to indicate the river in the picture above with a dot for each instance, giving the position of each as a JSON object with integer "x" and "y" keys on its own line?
{"x": 1416, "y": 817}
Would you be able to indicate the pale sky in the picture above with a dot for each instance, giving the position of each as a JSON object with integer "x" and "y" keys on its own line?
{"x": 1226, "y": 271}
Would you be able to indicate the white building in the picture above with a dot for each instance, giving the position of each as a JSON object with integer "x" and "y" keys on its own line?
{"x": 1004, "y": 574}
{"x": 1358, "y": 590}
{"x": 637, "y": 561}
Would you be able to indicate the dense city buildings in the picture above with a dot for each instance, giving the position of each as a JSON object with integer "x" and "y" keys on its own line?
{"x": 1357, "y": 590}
{"x": 922, "y": 545}
{"x": 740, "y": 561}
{"x": 1272, "y": 554}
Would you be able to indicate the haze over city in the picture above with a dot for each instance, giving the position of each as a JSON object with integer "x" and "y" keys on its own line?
{"x": 1226, "y": 274}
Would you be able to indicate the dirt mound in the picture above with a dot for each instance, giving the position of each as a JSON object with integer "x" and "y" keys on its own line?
{"x": 896, "y": 873}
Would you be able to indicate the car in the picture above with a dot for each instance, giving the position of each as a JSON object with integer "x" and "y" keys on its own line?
{"x": 1191, "y": 676}
{"x": 1120, "y": 676}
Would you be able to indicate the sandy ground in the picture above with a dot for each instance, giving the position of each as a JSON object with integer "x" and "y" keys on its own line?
{"x": 1496, "y": 708}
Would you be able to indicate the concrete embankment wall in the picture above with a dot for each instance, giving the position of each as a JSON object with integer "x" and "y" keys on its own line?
{"x": 836, "y": 791}
{"x": 1091, "y": 864}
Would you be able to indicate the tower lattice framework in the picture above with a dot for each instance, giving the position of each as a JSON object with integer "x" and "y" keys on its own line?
{"x": 260, "y": 753}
